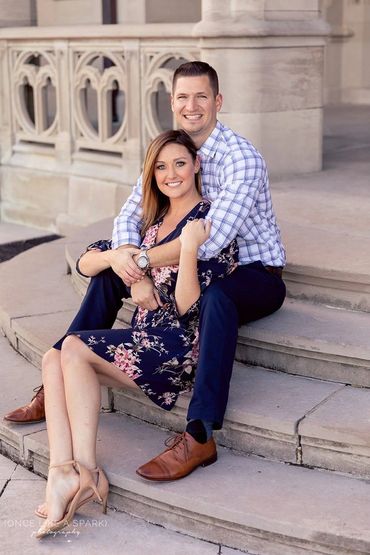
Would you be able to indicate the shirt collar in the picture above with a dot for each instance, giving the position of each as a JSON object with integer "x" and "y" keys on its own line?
{"x": 207, "y": 147}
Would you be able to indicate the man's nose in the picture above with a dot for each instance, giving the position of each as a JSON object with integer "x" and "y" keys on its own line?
{"x": 191, "y": 104}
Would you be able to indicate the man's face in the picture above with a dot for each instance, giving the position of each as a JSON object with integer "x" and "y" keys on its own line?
{"x": 195, "y": 107}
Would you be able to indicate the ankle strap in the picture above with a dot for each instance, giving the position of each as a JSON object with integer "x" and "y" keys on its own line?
{"x": 62, "y": 464}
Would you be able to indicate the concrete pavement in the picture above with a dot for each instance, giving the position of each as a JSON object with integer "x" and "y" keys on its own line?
{"x": 91, "y": 532}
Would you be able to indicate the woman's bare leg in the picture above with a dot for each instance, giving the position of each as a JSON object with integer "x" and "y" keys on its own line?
{"x": 63, "y": 481}
{"x": 82, "y": 374}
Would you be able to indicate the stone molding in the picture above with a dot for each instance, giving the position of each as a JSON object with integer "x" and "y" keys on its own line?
{"x": 75, "y": 98}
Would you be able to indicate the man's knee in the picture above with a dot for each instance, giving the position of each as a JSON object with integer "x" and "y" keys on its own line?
{"x": 215, "y": 300}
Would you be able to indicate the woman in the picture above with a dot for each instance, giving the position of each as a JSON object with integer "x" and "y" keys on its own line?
{"x": 158, "y": 354}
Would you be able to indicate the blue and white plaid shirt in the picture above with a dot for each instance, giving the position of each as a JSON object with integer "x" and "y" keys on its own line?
{"x": 235, "y": 180}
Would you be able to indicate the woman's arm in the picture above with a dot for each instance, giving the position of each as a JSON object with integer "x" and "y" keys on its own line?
{"x": 187, "y": 289}
{"x": 99, "y": 256}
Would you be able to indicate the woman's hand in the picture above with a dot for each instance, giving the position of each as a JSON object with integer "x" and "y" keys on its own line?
{"x": 144, "y": 294}
{"x": 122, "y": 263}
{"x": 194, "y": 234}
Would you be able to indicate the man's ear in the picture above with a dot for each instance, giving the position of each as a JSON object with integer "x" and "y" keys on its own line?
{"x": 172, "y": 103}
{"x": 219, "y": 100}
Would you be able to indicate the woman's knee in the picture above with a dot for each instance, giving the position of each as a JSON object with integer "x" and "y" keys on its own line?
{"x": 50, "y": 360}
{"x": 71, "y": 349}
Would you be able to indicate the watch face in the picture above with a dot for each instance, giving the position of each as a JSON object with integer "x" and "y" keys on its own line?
{"x": 142, "y": 261}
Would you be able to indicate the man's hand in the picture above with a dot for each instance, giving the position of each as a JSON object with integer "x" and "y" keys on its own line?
{"x": 145, "y": 294}
{"x": 124, "y": 266}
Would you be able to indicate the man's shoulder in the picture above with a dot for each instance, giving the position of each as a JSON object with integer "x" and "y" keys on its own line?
{"x": 233, "y": 144}
{"x": 236, "y": 151}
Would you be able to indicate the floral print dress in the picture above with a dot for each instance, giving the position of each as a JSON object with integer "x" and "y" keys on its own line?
{"x": 160, "y": 351}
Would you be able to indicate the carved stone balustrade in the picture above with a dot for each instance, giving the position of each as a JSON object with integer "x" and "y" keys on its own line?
{"x": 82, "y": 103}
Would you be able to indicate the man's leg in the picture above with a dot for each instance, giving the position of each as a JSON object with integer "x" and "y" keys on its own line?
{"x": 249, "y": 293}
{"x": 98, "y": 310}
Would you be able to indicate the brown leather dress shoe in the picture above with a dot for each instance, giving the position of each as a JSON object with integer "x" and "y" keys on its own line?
{"x": 31, "y": 413}
{"x": 183, "y": 455}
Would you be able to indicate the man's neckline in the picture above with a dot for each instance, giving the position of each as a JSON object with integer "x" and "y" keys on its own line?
{"x": 207, "y": 146}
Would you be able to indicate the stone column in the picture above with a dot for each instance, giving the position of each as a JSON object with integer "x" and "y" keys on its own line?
{"x": 6, "y": 138}
{"x": 17, "y": 14}
{"x": 347, "y": 77}
{"x": 269, "y": 57}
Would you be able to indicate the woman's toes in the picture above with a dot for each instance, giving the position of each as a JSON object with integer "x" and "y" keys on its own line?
{"x": 42, "y": 510}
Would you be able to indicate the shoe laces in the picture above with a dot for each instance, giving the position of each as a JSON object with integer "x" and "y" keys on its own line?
{"x": 178, "y": 444}
{"x": 37, "y": 391}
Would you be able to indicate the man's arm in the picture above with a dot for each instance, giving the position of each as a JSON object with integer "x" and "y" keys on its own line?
{"x": 242, "y": 185}
{"x": 164, "y": 255}
{"x": 126, "y": 229}
{"x": 94, "y": 261}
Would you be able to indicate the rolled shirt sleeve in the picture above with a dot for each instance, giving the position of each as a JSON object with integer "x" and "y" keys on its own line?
{"x": 127, "y": 225}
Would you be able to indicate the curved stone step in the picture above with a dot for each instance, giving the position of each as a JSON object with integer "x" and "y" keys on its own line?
{"x": 325, "y": 266}
{"x": 242, "y": 502}
{"x": 301, "y": 338}
{"x": 270, "y": 413}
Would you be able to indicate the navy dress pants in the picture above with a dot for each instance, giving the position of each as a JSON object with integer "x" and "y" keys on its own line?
{"x": 249, "y": 293}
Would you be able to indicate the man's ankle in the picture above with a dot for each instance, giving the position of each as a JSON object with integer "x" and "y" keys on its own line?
{"x": 200, "y": 430}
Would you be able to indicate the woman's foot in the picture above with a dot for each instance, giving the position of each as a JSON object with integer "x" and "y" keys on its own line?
{"x": 62, "y": 486}
{"x": 42, "y": 510}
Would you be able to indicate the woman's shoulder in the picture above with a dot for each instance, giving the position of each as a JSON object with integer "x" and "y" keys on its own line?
{"x": 201, "y": 209}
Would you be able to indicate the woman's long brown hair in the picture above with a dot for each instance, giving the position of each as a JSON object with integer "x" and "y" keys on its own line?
{"x": 154, "y": 203}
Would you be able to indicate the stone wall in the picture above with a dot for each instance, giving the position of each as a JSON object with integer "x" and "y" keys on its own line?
{"x": 347, "y": 75}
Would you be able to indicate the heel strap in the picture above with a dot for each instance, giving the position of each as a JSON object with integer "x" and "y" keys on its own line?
{"x": 62, "y": 464}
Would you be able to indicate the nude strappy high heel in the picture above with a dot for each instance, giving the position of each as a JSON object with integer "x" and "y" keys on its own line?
{"x": 99, "y": 491}
{"x": 101, "y": 479}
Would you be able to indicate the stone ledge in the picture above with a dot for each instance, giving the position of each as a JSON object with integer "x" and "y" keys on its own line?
{"x": 231, "y": 496}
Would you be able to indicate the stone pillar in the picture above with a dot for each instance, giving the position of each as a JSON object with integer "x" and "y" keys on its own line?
{"x": 69, "y": 12}
{"x": 17, "y": 14}
{"x": 269, "y": 57}
{"x": 347, "y": 75}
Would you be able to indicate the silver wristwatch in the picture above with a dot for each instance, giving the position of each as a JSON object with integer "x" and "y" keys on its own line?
{"x": 143, "y": 259}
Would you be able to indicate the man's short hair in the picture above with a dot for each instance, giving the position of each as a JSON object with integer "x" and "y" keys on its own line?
{"x": 195, "y": 69}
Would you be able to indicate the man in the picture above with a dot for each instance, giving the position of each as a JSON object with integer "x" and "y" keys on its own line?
{"x": 235, "y": 180}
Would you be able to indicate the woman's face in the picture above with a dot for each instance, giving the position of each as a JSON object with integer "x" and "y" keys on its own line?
{"x": 174, "y": 171}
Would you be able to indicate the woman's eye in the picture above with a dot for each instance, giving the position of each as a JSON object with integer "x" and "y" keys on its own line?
{"x": 180, "y": 163}
{"x": 160, "y": 167}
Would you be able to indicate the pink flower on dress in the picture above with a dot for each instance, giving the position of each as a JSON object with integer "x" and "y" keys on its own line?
{"x": 125, "y": 360}
{"x": 167, "y": 397}
{"x": 163, "y": 275}
{"x": 150, "y": 236}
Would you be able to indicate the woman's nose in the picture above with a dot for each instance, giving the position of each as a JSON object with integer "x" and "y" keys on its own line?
{"x": 171, "y": 171}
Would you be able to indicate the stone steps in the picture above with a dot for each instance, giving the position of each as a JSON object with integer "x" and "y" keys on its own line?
{"x": 274, "y": 505}
{"x": 303, "y": 338}
{"x": 272, "y": 414}
{"x": 325, "y": 266}
{"x": 245, "y": 502}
